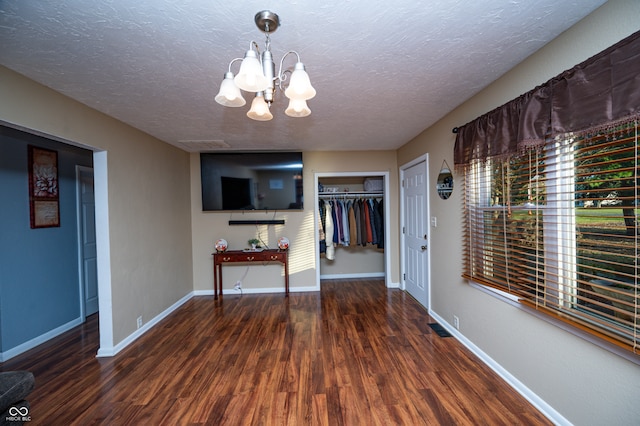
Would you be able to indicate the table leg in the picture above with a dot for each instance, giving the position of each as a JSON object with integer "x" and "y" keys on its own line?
{"x": 216, "y": 269}
{"x": 286, "y": 277}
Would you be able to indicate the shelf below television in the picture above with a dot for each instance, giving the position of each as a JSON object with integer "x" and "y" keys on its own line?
{"x": 257, "y": 222}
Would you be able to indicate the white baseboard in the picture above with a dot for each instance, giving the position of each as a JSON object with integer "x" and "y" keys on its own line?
{"x": 4, "y": 356}
{"x": 547, "y": 410}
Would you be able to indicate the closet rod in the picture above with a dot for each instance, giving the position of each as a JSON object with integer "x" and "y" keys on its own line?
{"x": 349, "y": 194}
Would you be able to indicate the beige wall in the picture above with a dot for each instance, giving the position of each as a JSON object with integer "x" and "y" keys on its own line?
{"x": 584, "y": 383}
{"x": 148, "y": 196}
{"x": 299, "y": 227}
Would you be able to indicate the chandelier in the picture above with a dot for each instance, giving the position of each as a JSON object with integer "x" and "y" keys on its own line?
{"x": 257, "y": 75}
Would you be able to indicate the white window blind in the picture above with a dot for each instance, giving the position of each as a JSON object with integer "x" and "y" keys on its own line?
{"x": 558, "y": 227}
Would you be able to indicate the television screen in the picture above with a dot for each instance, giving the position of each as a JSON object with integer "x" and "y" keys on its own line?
{"x": 251, "y": 181}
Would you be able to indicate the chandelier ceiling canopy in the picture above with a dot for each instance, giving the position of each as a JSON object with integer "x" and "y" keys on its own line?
{"x": 257, "y": 75}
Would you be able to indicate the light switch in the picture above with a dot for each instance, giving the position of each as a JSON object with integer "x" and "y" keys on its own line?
{"x": 434, "y": 221}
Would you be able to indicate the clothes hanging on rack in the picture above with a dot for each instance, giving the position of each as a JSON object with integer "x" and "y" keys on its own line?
{"x": 356, "y": 221}
{"x": 329, "y": 231}
{"x": 321, "y": 227}
{"x": 346, "y": 234}
{"x": 353, "y": 234}
{"x": 337, "y": 225}
{"x": 374, "y": 236}
{"x": 350, "y": 222}
{"x": 378, "y": 212}
{"x": 367, "y": 222}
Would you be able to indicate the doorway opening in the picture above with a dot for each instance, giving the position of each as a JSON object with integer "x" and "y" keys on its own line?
{"x": 347, "y": 189}
{"x": 102, "y": 260}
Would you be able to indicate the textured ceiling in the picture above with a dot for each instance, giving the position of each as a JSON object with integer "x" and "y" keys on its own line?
{"x": 384, "y": 71}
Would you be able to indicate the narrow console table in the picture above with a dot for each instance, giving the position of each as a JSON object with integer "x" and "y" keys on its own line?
{"x": 241, "y": 256}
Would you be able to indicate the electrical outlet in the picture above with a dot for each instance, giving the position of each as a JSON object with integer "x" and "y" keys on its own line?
{"x": 238, "y": 285}
{"x": 456, "y": 322}
{"x": 139, "y": 321}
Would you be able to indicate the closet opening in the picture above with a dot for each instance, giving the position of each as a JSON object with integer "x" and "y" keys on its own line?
{"x": 352, "y": 226}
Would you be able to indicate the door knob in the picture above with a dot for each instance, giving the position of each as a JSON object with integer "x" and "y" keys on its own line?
{"x": 423, "y": 247}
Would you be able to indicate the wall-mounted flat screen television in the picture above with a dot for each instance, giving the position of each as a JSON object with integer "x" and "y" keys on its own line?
{"x": 251, "y": 181}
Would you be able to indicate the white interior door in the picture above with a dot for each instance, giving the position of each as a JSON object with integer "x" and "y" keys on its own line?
{"x": 88, "y": 256}
{"x": 415, "y": 232}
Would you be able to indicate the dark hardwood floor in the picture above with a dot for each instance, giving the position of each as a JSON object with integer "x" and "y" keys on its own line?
{"x": 355, "y": 353}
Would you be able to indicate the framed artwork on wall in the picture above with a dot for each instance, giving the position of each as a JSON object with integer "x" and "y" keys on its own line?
{"x": 44, "y": 202}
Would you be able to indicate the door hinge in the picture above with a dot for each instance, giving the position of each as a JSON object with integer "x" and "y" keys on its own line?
{"x": 404, "y": 230}
{"x": 404, "y": 277}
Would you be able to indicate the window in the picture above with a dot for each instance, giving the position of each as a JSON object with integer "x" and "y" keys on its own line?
{"x": 557, "y": 226}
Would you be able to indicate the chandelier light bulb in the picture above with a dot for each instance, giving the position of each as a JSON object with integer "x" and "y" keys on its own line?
{"x": 259, "y": 109}
{"x": 229, "y": 94}
{"x": 297, "y": 108}
{"x": 250, "y": 78}
{"x": 300, "y": 85}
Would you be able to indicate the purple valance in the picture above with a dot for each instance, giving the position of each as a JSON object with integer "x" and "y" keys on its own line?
{"x": 600, "y": 91}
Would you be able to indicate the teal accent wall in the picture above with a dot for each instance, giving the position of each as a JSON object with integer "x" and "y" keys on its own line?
{"x": 39, "y": 282}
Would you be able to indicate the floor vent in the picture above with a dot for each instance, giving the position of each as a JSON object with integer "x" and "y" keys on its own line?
{"x": 440, "y": 331}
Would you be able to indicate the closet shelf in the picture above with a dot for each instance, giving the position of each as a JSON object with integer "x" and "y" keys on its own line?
{"x": 350, "y": 194}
